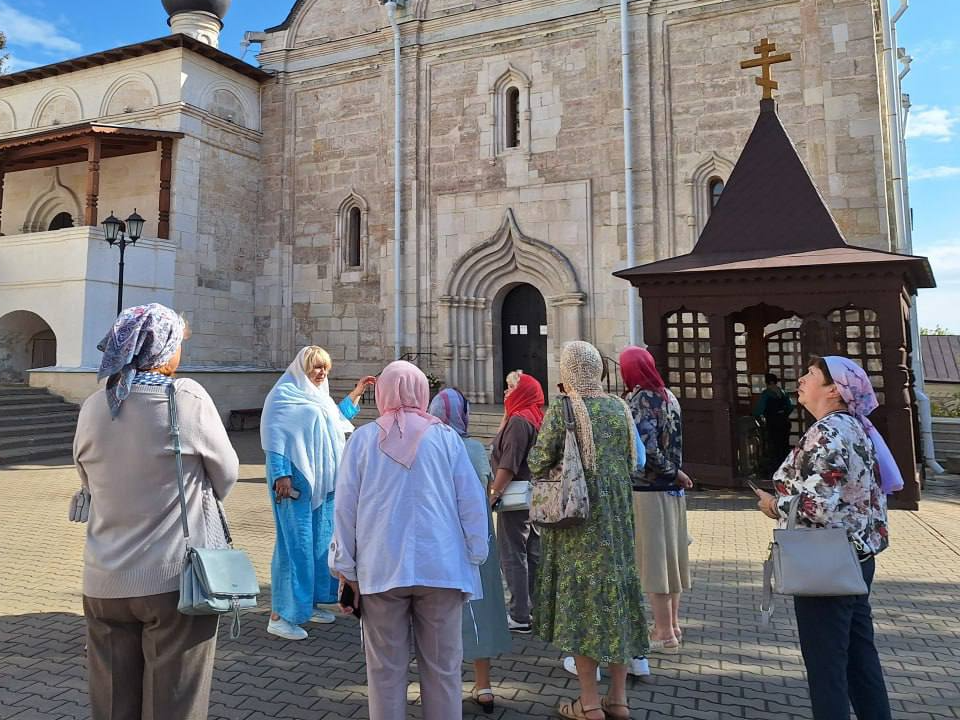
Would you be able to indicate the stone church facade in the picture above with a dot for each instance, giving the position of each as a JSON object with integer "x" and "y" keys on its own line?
{"x": 512, "y": 161}
{"x": 280, "y": 197}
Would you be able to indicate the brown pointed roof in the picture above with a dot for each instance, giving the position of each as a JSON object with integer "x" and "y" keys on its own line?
{"x": 771, "y": 215}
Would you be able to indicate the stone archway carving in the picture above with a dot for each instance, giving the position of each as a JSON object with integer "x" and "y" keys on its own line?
{"x": 478, "y": 282}
{"x": 55, "y": 198}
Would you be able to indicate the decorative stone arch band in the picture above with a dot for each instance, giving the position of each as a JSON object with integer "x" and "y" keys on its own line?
{"x": 472, "y": 295}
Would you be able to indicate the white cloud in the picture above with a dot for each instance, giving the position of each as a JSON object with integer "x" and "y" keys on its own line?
{"x": 28, "y": 31}
{"x": 935, "y": 173}
{"x": 15, "y": 63}
{"x": 931, "y": 122}
{"x": 939, "y": 306}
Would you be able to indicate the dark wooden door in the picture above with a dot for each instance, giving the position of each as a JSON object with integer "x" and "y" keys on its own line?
{"x": 523, "y": 323}
{"x": 43, "y": 350}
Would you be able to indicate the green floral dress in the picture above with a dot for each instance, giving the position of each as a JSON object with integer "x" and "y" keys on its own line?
{"x": 588, "y": 598}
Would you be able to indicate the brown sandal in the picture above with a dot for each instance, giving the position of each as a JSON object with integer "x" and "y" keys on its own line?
{"x": 570, "y": 711}
{"x": 617, "y": 711}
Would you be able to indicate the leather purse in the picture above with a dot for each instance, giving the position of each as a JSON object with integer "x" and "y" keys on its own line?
{"x": 516, "y": 496}
{"x": 212, "y": 581}
{"x": 560, "y": 500}
{"x": 818, "y": 562}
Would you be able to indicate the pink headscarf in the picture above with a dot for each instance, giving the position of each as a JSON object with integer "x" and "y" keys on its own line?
{"x": 402, "y": 396}
{"x": 854, "y": 387}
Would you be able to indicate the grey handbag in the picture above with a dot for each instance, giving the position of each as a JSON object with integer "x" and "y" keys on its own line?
{"x": 516, "y": 496}
{"x": 560, "y": 500}
{"x": 819, "y": 562}
{"x": 79, "y": 511}
{"x": 213, "y": 581}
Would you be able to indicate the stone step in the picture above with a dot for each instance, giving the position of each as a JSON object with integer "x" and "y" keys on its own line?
{"x": 57, "y": 413}
{"x": 21, "y": 398}
{"x": 20, "y": 388}
{"x": 35, "y": 408}
{"x": 27, "y": 455}
{"x": 36, "y": 428}
{"x": 36, "y": 440}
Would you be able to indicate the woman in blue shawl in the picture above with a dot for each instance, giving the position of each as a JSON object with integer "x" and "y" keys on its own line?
{"x": 485, "y": 633}
{"x": 303, "y": 432}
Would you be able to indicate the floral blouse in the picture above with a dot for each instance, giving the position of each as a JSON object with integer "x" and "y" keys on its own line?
{"x": 834, "y": 472}
{"x": 661, "y": 432}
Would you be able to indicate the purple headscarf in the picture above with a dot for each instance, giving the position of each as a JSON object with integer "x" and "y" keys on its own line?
{"x": 854, "y": 387}
{"x": 453, "y": 408}
{"x": 142, "y": 337}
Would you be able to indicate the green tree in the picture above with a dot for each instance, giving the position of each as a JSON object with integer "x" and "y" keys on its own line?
{"x": 3, "y": 58}
{"x": 935, "y": 331}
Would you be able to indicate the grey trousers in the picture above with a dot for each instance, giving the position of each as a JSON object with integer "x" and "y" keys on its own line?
{"x": 146, "y": 661}
{"x": 519, "y": 544}
{"x": 436, "y": 615}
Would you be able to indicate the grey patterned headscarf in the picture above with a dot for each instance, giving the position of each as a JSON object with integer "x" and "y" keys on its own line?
{"x": 142, "y": 337}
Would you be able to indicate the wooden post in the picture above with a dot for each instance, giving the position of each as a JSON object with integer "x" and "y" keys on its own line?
{"x": 93, "y": 182}
{"x": 166, "y": 173}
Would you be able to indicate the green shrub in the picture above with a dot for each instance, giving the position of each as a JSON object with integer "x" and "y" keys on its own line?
{"x": 948, "y": 407}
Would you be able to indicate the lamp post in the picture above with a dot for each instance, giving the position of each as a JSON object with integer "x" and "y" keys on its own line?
{"x": 118, "y": 233}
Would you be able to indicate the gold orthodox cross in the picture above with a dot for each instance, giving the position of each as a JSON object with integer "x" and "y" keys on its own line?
{"x": 766, "y": 61}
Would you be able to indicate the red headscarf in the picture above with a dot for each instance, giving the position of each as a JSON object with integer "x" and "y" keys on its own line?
{"x": 526, "y": 400}
{"x": 639, "y": 370}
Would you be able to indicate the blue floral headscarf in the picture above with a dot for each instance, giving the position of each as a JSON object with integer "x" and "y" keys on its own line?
{"x": 453, "y": 408}
{"x": 142, "y": 337}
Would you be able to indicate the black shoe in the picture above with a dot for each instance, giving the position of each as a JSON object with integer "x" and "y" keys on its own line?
{"x": 519, "y": 628}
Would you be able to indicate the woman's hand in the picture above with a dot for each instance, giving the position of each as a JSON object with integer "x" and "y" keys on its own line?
{"x": 361, "y": 387}
{"x": 684, "y": 480}
{"x": 767, "y": 504}
{"x": 282, "y": 488}
{"x": 355, "y": 586}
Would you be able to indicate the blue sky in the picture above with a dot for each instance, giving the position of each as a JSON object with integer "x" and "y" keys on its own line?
{"x": 44, "y": 31}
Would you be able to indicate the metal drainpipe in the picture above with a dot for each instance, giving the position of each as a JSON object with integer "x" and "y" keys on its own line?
{"x": 632, "y": 319}
{"x": 904, "y": 231}
{"x": 391, "y": 8}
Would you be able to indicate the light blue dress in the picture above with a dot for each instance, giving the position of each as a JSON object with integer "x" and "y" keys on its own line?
{"x": 299, "y": 574}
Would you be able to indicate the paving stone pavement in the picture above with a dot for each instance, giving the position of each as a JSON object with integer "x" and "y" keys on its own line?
{"x": 729, "y": 667}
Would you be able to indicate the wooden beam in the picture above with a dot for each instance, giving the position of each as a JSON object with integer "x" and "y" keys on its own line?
{"x": 93, "y": 181}
{"x": 166, "y": 174}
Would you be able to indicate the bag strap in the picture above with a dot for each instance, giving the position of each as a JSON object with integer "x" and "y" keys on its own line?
{"x": 568, "y": 417}
{"x": 175, "y": 436}
{"x": 792, "y": 513}
{"x": 766, "y": 599}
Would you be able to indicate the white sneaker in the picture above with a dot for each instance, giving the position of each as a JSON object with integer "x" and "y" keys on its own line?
{"x": 286, "y": 630}
{"x": 323, "y": 617}
{"x": 570, "y": 665}
{"x": 639, "y": 667}
{"x": 519, "y": 628}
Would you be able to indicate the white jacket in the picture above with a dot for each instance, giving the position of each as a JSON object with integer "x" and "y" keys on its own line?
{"x": 394, "y": 527}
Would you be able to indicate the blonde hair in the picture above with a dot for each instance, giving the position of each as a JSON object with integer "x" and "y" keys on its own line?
{"x": 513, "y": 378}
{"x": 315, "y": 357}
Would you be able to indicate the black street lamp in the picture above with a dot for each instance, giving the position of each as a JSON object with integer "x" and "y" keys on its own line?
{"x": 113, "y": 231}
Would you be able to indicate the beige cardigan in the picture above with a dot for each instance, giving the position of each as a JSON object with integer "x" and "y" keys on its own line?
{"x": 135, "y": 545}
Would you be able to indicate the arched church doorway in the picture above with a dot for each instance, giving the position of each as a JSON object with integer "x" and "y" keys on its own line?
{"x": 26, "y": 341}
{"x": 523, "y": 333}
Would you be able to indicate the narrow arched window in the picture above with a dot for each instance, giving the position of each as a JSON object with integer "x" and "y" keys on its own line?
{"x": 353, "y": 238}
{"x": 716, "y": 190}
{"x": 512, "y": 119}
{"x": 61, "y": 221}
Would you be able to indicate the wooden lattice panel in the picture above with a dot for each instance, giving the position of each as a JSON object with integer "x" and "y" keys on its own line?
{"x": 689, "y": 362}
{"x": 857, "y": 331}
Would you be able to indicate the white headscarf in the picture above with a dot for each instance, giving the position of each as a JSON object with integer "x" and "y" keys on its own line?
{"x": 302, "y": 422}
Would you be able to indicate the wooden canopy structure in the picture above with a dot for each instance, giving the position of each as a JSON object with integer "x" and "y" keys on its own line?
{"x": 770, "y": 282}
{"x": 91, "y": 142}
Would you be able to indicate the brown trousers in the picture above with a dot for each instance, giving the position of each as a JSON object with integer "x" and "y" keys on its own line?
{"x": 436, "y": 615}
{"x": 146, "y": 661}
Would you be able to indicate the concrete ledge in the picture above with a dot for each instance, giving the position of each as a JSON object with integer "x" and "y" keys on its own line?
{"x": 230, "y": 387}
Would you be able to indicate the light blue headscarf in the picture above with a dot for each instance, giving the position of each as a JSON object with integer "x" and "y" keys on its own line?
{"x": 302, "y": 422}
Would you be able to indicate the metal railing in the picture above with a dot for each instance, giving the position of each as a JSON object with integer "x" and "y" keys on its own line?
{"x": 611, "y": 378}
{"x": 416, "y": 358}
